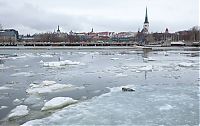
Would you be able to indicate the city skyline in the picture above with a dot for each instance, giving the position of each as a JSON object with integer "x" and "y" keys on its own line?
{"x": 36, "y": 16}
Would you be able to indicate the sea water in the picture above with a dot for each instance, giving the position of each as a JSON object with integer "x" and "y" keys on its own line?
{"x": 166, "y": 85}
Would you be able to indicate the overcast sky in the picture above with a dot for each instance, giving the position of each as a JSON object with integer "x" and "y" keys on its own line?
{"x": 33, "y": 16}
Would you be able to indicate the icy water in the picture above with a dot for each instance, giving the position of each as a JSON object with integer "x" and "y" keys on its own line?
{"x": 166, "y": 84}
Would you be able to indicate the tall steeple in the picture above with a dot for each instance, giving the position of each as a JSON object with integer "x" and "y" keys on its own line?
{"x": 58, "y": 30}
{"x": 146, "y": 17}
{"x": 92, "y": 30}
{"x": 146, "y": 24}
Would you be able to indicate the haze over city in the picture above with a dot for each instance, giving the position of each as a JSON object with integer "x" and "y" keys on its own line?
{"x": 35, "y": 16}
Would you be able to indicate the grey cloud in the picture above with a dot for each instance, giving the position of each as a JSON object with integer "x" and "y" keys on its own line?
{"x": 102, "y": 15}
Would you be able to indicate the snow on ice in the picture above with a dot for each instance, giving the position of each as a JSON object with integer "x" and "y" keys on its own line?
{"x": 166, "y": 107}
{"x": 60, "y": 63}
{"x": 114, "y": 58}
{"x": 17, "y": 102}
{"x": 121, "y": 75}
{"x": 26, "y": 74}
{"x": 49, "y": 86}
{"x": 4, "y": 88}
{"x": 19, "y": 111}
{"x": 146, "y": 68}
{"x": 149, "y": 59}
{"x": 58, "y": 102}
{"x": 3, "y": 107}
{"x": 128, "y": 109}
{"x": 185, "y": 64}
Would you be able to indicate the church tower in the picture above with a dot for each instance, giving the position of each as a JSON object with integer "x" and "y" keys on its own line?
{"x": 58, "y": 30}
{"x": 92, "y": 30}
{"x": 146, "y": 24}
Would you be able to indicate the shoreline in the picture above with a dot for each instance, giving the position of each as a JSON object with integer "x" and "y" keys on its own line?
{"x": 137, "y": 48}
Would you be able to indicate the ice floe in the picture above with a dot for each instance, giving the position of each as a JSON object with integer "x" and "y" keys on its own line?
{"x": 19, "y": 111}
{"x": 60, "y": 63}
{"x": 27, "y": 66}
{"x": 3, "y": 107}
{"x": 166, "y": 107}
{"x": 58, "y": 102}
{"x": 49, "y": 86}
{"x": 41, "y": 61}
{"x": 146, "y": 68}
{"x": 26, "y": 74}
{"x": 117, "y": 108}
{"x": 17, "y": 102}
{"x": 46, "y": 55}
{"x": 121, "y": 75}
{"x": 149, "y": 59}
{"x": 114, "y": 58}
{"x": 83, "y": 53}
{"x": 185, "y": 64}
{"x": 17, "y": 57}
{"x": 4, "y": 88}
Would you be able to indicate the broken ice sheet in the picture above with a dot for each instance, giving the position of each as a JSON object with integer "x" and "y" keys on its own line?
{"x": 58, "y": 102}
{"x": 19, "y": 111}
{"x": 50, "y": 86}
{"x": 60, "y": 63}
{"x": 26, "y": 74}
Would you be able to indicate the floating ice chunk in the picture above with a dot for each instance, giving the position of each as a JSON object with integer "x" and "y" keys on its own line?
{"x": 46, "y": 82}
{"x": 137, "y": 71}
{"x": 19, "y": 111}
{"x": 41, "y": 61}
{"x": 165, "y": 107}
{"x": 149, "y": 59}
{"x": 166, "y": 53}
{"x": 121, "y": 75}
{"x": 114, "y": 58}
{"x": 83, "y": 53}
{"x": 96, "y": 111}
{"x": 3, "y": 107}
{"x": 58, "y": 102}
{"x": 26, "y": 66}
{"x": 18, "y": 57}
{"x": 60, "y": 63}
{"x": 146, "y": 68}
{"x": 185, "y": 64}
{"x": 4, "y": 88}
{"x": 119, "y": 89}
{"x": 49, "y": 86}
{"x": 26, "y": 74}
{"x": 17, "y": 102}
{"x": 46, "y": 55}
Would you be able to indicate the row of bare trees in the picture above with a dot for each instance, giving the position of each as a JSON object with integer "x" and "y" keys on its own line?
{"x": 61, "y": 37}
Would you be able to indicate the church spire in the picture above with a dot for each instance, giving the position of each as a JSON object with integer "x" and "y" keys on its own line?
{"x": 58, "y": 29}
{"x": 146, "y": 24}
{"x": 146, "y": 17}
